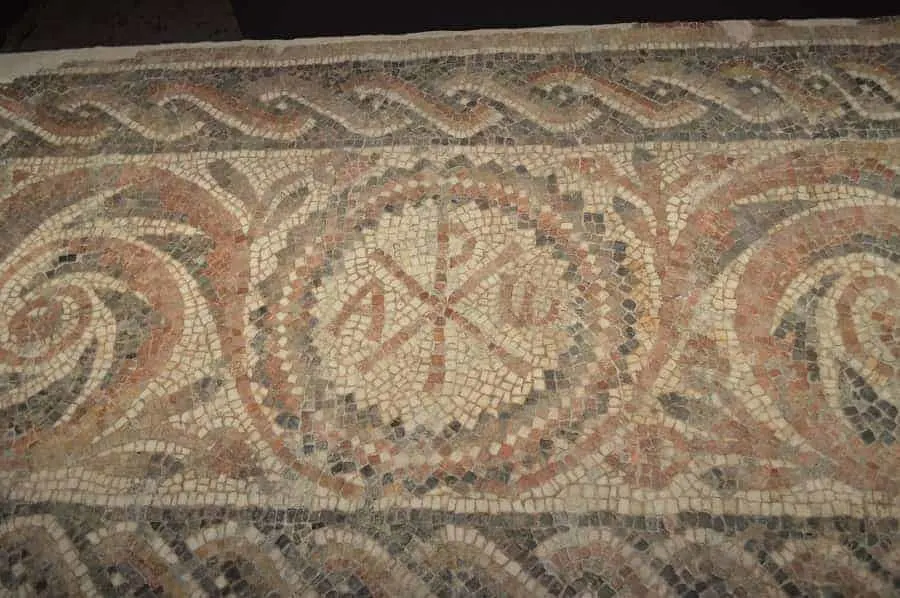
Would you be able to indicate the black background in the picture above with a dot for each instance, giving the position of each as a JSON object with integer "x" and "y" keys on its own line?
{"x": 274, "y": 18}
{"x": 53, "y": 24}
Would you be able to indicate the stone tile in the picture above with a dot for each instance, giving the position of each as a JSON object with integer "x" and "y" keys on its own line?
{"x": 438, "y": 317}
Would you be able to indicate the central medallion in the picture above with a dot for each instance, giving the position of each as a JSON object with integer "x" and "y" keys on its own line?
{"x": 442, "y": 312}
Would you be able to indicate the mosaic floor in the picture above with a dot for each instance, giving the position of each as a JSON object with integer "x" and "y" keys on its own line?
{"x": 580, "y": 313}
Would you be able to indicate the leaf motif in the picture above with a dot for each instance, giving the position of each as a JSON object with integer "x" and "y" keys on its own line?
{"x": 138, "y": 464}
{"x": 687, "y": 409}
{"x": 874, "y": 418}
{"x": 751, "y": 476}
{"x": 234, "y": 181}
{"x": 283, "y": 199}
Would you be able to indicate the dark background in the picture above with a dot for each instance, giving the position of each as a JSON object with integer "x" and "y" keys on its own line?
{"x": 27, "y": 25}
